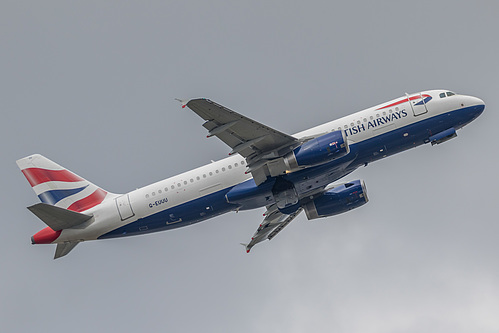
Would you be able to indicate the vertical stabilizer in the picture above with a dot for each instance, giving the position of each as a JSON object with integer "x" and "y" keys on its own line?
{"x": 64, "y": 248}
{"x": 57, "y": 186}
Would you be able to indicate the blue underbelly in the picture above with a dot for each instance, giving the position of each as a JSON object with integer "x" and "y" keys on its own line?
{"x": 182, "y": 215}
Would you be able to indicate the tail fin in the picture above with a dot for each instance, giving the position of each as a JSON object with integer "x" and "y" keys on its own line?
{"x": 57, "y": 186}
{"x": 64, "y": 248}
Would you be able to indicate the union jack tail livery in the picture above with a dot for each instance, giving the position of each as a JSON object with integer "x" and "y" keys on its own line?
{"x": 63, "y": 195}
{"x": 57, "y": 186}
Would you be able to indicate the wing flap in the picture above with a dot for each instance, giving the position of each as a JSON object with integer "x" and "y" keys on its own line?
{"x": 274, "y": 222}
{"x": 220, "y": 128}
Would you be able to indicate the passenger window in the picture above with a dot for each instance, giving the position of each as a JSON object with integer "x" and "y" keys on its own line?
{"x": 173, "y": 187}
{"x": 235, "y": 164}
{"x": 242, "y": 162}
{"x": 442, "y": 95}
{"x": 185, "y": 182}
{"x": 159, "y": 191}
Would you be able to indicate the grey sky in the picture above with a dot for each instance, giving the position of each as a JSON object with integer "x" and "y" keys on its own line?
{"x": 92, "y": 84}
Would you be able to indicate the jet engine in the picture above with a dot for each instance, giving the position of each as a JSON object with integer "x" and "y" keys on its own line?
{"x": 443, "y": 136}
{"x": 318, "y": 151}
{"x": 336, "y": 200}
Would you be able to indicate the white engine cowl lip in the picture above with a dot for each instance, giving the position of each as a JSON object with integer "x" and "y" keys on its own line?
{"x": 364, "y": 190}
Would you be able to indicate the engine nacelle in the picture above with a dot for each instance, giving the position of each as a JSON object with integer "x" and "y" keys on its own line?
{"x": 250, "y": 196}
{"x": 318, "y": 151}
{"x": 337, "y": 200}
{"x": 443, "y": 136}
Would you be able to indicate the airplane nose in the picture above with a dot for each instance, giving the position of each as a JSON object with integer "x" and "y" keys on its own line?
{"x": 476, "y": 106}
{"x": 472, "y": 101}
{"x": 480, "y": 105}
{"x": 478, "y": 101}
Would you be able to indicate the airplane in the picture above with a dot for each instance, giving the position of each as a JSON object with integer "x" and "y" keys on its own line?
{"x": 286, "y": 174}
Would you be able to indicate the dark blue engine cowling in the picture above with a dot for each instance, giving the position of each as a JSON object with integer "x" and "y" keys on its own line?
{"x": 249, "y": 196}
{"x": 318, "y": 151}
{"x": 337, "y": 200}
{"x": 443, "y": 136}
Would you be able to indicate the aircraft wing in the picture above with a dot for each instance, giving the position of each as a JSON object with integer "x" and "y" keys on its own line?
{"x": 273, "y": 223}
{"x": 258, "y": 143}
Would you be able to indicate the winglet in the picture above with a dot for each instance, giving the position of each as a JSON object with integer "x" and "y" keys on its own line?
{"x": 246, "y": 247}
{"x": 183, "y": 102}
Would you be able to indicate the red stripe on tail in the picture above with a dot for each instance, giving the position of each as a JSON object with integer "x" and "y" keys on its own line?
{"x": 36, "y": 176}
{"x": 91, "y": 201}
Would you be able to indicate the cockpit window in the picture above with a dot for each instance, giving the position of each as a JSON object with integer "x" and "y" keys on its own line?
{"x": 449, "y": 93}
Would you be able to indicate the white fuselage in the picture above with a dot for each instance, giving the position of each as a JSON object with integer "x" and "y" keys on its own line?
{"x": 199, "y": 183}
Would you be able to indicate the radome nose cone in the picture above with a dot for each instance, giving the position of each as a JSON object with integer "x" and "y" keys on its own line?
{"x": 477, "y": 105}
{"x": 480, "y": 106}
{"x": 478, "y": 102}
{"x": 477, "y": 110}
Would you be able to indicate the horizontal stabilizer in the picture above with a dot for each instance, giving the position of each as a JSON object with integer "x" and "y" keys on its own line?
{"x": 64, "y": 248}
{"x": 58, "y": 218}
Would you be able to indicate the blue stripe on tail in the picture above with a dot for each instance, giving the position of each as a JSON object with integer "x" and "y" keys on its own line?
{"x": 54, "y": 196}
